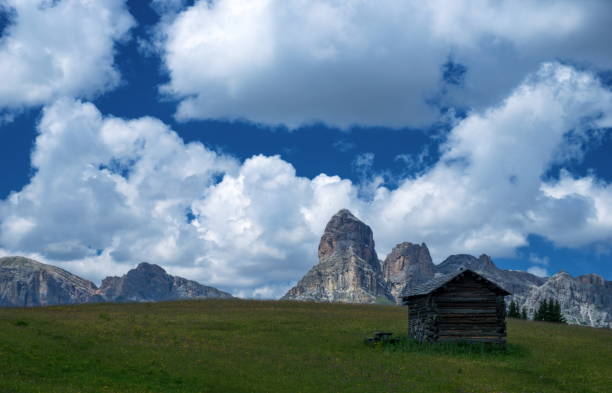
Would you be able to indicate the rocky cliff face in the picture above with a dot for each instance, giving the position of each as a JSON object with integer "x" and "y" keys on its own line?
{"x": 407, "y": 265}
{"x": 513, "y": 281}
{"x": 585, "y": 300}
{"x": 25, "y": 282}
{"x": 149, "y": 283}
{"x": 348, "y": 269}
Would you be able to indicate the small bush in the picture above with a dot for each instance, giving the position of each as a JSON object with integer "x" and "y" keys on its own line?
{"x": 21, "y": 323}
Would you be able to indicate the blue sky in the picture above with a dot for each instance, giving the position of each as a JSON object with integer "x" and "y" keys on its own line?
{"x": 216, "y": 139}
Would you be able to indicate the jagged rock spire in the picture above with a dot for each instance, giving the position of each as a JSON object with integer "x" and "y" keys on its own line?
{"x": 407, "y": 265}
{"x": 348, "y": 269}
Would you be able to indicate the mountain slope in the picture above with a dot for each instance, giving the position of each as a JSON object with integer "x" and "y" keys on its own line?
{"x": 149, "y": 283}
{"x": 406, "y": 265}
{"x": 585, "y": 300}
{"x": 25, "y": 282}
{"x": 348, "y": 270}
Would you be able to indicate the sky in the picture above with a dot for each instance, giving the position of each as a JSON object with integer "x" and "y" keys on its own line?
{"x": 217, "y": 137}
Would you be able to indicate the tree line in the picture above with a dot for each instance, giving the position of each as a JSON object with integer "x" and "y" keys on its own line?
{"x": 549, "y": 310}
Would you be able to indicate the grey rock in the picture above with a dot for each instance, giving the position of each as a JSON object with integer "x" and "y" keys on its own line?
{"x": 514, "y": 281}
{"x": 585, "y": 300}
{"x": 150, "y": 283}
{"x": 348, "y": 270}
{"x": 25, "y": 283}
{"x": 407, "y": 265}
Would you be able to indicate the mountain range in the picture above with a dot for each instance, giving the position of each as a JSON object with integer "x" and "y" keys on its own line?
{"x": 25, "y": 283}
{"x": 349, "y": 271}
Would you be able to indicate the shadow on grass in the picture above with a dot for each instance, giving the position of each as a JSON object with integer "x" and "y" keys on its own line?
{"x": 459, "y": 349}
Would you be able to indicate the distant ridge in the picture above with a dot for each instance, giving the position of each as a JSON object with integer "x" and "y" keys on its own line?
{"x": 150, "y": 283}
{"x": 25, "y": 283}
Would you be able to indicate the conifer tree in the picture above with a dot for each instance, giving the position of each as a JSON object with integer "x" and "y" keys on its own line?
{"x": 524, "y": 313}
{"x": 556, "y": 313}
{"x": 541, "y": 311}
{"x": 549, "y": 310}
{"x": 513, "y": 312}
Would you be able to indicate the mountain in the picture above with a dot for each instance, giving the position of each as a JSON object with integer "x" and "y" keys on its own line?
{"x": 585, "y": 300}
{"x": 25, "y": 282}
{"x": 408, "y": 264}
{"x": 513, "y": 281}
{"x": 151, "y": 283}
{"x": 348, "y": 270}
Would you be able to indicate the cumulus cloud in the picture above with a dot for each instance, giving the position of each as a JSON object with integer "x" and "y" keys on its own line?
{"x": 110, "y": 192}
{"x": 59, "y": 48}
{"x": 487, "y": 191}
{"x": 538, "y": 271}
{"x": 103, "y": 184}
{"x": 388, "y": 62}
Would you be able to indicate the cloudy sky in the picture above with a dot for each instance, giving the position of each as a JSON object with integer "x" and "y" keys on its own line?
{"x": 217, "y": 137}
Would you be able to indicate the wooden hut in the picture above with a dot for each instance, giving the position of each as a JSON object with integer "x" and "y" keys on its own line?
{"x": 461, "y": 306}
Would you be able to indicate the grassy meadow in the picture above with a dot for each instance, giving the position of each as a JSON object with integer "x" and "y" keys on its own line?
{"x": 272, "y": 346}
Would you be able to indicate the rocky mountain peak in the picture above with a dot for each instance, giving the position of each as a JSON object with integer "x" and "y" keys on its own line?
{"x": 592, "y": 279}
{"x": 485, "y": 261}
{"x": 25, "y": 282}
{"x": 149, "y": 282}
{"x": 149, "y": 268}
{"x": 346, "y": 233}
{"x": 348, "y": 269}
{"x": 407, "y": 264}
{"x": 583, "y": 300}
{"x": 561, "y": 275}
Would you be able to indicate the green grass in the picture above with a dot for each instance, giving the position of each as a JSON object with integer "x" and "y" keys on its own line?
{"x": 254, "y": 346}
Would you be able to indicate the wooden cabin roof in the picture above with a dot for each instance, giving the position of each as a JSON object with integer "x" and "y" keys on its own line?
{"x": 438, "y": 282}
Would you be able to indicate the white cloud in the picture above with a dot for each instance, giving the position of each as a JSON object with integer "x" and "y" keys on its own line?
{"x": 544, "y": 261}
{"x": 108, "y": 193}
{"x": 538, "y": 271}
{"x": 132, "y": 191}
{"x": 487, "y": 194}
{"x": 342, "y": 62}
{"x": 59, "y": 48}
{"x": 123, "y": 187}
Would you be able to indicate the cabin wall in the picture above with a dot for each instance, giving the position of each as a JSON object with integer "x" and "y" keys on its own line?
{"x": 466, "y": 310}
{"x": 422, "y": 319}
{"x": 470, "y": 311}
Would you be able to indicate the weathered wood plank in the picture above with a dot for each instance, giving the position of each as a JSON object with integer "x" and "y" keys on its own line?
{"x": 466, "y": 299}
{"x": 473, "y": 311}
{"x": 470, "y": 333}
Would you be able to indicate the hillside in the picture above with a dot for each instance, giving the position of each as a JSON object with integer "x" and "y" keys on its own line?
{"x": 270, "y": 346}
